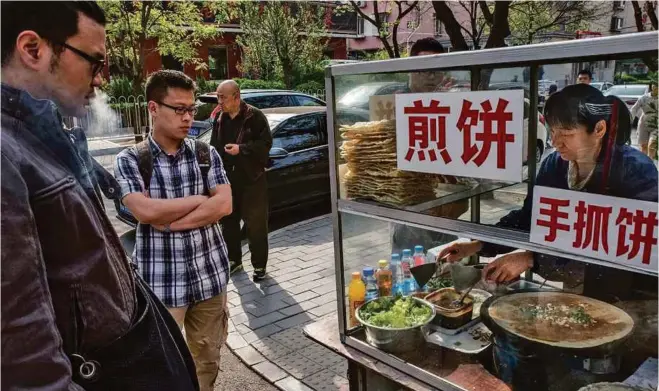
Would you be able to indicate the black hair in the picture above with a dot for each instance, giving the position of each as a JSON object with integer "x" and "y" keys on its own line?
{"x": 553, "y": 88}
{"x": 587, "y": 73}
{"x": 158, "y": 83}
{"x": 54, "y": 21}
{"x": 582, "y": 104}
{"x": 427, "y": 44}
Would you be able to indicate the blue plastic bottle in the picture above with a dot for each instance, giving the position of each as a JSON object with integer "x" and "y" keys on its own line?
{"x": 419, "y": 258}
{"x": 371, "y": 286}
{"x": 398, "y": 280}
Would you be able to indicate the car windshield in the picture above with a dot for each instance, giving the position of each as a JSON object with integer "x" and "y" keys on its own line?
{"x": 359, "y": 95}
{"x": 626, "y": 90}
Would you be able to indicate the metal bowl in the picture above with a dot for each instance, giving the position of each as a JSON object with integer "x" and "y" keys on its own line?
{"x": 395, "y": 340}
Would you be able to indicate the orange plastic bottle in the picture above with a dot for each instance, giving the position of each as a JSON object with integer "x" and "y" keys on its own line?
{"x": 356, "y": 296}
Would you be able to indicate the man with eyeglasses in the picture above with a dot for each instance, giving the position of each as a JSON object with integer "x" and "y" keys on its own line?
{"x": 75, "y": 316}
{"x": 179, "y": 248}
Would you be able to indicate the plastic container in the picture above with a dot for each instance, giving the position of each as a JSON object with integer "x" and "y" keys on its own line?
{"x": 356, "y": 296}
{"x": 370, "y": 283}
{"x": 419, "y": 256}
{"x": 406, "y": 262}
{"x": 383, "y": 278}
{"x": 397, "y": 276}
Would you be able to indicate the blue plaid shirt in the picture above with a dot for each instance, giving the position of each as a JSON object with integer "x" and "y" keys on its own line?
{"x": 186, "y": 266}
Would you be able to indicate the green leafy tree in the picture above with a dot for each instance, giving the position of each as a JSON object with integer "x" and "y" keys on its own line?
{"x": 176, "y": 27}
{"x": 281, "y": 39}
{"x": 532, "y": 21}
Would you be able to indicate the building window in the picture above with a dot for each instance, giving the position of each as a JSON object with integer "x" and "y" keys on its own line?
{"x": 360, "y": 25}
{"x": 383, "y": 17}
{"x": 169, "y": 62}
{"x": 218, "y": 63}
{"x": 616, "y": 23}
{"x": 411, "y": 25}
{"x": 607, "y": 64}
{"x": 618, "y": 5}
{"x": 439, "y": 28}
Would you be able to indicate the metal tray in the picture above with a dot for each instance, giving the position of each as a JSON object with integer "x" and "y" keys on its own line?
{"x": 476, "y": 317}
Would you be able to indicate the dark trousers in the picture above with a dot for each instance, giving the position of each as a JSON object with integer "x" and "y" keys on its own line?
{"x": 250, "y": 204}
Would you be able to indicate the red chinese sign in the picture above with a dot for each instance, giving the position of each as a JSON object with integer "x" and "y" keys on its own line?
{"x": 476, "y": 134}
{"x": 614, "y": 229}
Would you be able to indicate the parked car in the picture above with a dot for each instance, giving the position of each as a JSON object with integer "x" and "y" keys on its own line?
{"x": 629, "y": 93}
{"x": 298, "y": 170}
{"x": 602, "y": 85}
{"x": 359, "y": 96}
{"x": 542, "y": 136}
{"x": 261, "y": 99}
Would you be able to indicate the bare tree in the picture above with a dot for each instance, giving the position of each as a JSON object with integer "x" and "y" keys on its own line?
{"x": 493, "y": 19}
{"x": 387, "y": 31}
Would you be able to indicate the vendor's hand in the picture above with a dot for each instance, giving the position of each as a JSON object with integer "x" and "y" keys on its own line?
{"x": 232, "y": 149}
{"x": 508, "y": 267}
{"x": 458, "y": 250}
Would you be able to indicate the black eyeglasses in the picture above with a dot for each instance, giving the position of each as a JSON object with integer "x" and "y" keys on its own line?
{"x": 97, "y": 64}
{"x": 180, "y": 110}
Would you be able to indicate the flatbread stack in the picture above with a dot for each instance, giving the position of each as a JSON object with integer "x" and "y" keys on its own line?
{"x": 369, "y": 149}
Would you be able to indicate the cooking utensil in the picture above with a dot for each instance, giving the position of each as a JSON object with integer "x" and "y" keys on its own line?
{"x": 494, "y": 310}
{"x": 458, "y": 303}
{"x": 423, "y": 273}
{"x": 464, "y": 277}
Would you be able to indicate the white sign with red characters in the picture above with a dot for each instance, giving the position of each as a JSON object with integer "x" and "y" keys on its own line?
{"x": 619, "y": 230}
{"x": 476, "y": 134}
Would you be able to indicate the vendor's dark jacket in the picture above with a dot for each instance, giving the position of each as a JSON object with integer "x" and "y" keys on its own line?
{"x": 250, "y": 130}
{"x": 632, "y": 175}
{"x": 65, "y": 277}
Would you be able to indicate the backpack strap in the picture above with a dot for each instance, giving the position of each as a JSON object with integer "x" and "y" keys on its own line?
{"x": 145, "y": 162}
{"x": 203, "y": 153}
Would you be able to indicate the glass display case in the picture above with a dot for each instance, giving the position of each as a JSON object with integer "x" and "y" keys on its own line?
{"x": 467, "y": 158}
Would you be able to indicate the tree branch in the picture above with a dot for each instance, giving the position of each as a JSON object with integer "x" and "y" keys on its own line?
{"x": 651, "y": 11}
{"x": 444, "y": 13}
{"x": 638, "y": 16}
{"x": 485, "y": 10}
{"x": 401, "y": 15}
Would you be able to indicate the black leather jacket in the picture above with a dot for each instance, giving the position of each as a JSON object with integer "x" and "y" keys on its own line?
{"x": 67, "y": 285}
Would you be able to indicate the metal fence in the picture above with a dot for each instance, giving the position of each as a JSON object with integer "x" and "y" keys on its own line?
{"x": 125, "y": 116}
{"x": 113, "y": 117}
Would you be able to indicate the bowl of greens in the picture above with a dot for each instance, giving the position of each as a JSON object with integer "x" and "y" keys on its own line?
{"x": 393, "y": 323}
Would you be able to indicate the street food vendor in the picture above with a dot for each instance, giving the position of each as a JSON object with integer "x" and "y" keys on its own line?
{"x": 580, "y": 120}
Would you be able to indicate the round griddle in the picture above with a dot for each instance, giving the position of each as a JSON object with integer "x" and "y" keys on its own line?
{"x": 502, "y": 315}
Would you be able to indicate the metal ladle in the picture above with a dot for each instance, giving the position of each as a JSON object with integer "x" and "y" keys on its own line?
{"x": 464, "y": 279}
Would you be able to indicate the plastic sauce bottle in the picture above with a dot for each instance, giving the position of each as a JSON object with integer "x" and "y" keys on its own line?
{"x": 406, "y": 262}
{"x": 383, "y": 278}
{"x": 356, "y": 296}
{"x": 371, "y": 284}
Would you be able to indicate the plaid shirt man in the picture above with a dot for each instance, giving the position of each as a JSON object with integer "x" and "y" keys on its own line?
{"x": 181, "y": 267}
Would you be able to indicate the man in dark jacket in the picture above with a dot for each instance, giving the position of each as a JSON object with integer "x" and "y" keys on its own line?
{"x": 74, "y": 316}
{"x": 242, "y": 136}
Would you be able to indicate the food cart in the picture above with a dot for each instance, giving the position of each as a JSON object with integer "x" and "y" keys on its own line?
{"x": 448, "y": 159}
